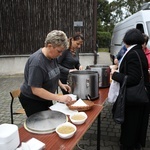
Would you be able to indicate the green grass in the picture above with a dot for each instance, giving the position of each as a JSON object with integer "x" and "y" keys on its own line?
{"x": 103, "y": 50}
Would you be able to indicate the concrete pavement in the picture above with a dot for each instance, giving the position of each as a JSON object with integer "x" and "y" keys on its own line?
{"x": 110, "y": 131}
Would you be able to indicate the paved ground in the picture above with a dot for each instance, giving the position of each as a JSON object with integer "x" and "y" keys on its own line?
{"x": 110, "y": 131}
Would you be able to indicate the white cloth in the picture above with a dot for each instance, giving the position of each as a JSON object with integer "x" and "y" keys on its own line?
{"x": 62, "y": 108}
{"x": 32, "y": 144}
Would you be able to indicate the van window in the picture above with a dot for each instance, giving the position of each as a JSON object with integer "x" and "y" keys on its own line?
{"x": 140, "y": 27}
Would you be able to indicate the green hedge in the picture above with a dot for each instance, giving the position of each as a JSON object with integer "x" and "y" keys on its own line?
{"x": 103, "y": 39}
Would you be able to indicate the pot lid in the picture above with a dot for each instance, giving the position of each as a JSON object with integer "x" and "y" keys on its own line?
{"x": 98, "y": 65}
{"x": 82, "y": 72}
{"x": 44, "y": 121}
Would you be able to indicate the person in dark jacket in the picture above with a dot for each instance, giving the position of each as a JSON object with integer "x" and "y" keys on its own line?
{"x": 120, "y": 55}
{"x": 69, "y": 60}
{"x": 134, "y": 128}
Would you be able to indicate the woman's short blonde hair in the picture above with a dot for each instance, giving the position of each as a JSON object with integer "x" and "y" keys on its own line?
{"x": 57, "y": 38}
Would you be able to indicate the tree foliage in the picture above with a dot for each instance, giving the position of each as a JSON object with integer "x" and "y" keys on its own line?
{"x": 108, "y": 14}
{"x": 122, "y": 9}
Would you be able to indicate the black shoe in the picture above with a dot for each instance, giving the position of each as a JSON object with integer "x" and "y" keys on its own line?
{"x": 138, "y": 149}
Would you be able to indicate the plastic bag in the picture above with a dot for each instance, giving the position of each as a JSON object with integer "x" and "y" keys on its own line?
{"x": 113, "y": 91}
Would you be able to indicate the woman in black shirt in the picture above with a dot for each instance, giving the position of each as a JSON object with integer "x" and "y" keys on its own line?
{"x": 69, "y": 60}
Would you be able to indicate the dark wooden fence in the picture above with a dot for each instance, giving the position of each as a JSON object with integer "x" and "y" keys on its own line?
{"x": 24, "y": 24}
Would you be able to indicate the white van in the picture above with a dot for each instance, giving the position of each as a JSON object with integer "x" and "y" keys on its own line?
{"x": 139, "y": 20}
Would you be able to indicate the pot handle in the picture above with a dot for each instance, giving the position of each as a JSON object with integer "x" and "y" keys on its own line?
{"x": 87, "y": 83}
{"x": 88, "y": 68}
{"x": 88, "y": 97}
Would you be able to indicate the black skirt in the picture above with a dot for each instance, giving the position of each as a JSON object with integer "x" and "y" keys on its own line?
{"x": 134, "y": 128}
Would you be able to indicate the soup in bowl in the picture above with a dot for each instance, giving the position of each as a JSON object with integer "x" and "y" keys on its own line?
{"x": 66, "y": 130}
{"x": 78, "y": 118}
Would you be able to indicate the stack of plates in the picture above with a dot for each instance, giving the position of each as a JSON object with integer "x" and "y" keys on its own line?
{"x": 44, "y": 122}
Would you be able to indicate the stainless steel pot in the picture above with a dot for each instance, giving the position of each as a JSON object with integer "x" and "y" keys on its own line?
{"x": 84, "y": 84}
{"x": 104, "y": 74}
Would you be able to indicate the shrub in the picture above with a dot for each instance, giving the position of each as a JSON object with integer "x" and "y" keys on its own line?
{"x": 103, "y": 39}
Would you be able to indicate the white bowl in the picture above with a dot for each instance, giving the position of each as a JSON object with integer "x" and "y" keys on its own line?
{"x": 78, "y": 118}
{"x": 66, "y": 130}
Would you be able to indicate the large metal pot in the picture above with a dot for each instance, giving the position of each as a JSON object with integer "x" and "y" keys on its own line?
{"x": 104, "y": 74}
{"x": 84, "y": 84}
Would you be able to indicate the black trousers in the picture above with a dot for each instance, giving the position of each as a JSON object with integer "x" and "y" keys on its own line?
{"x": 32, "y": 106}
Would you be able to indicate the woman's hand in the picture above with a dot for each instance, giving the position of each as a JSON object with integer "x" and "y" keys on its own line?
{"x": 66, "y": 87}
{"x": 72, "y": 70}
{"x": 65, "y": 99}
{"x": 81, "y": 68}
{"x": 112, "y": 72}
{"x": 116, "y": 61}
{"x": 149, "y": 71}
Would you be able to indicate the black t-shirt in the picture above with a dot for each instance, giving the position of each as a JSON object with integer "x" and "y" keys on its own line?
{"x": 68, "y": 61}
